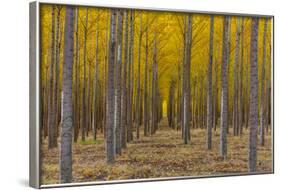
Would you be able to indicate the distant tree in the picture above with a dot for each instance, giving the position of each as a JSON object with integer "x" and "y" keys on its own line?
{"x": 209, "y": 88}
{"x": 171, "y": 103}
{"x": 146, "y": 110}
{"x": 95, "y": 85}
{"x": 84, "y": 107}
{"x": 138, "y": 102}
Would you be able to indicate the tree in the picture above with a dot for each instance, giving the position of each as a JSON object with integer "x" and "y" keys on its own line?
{"x": 186, "y": 81}
{"x": 77, "y": 79}
{"x": 110, "y": 132}
{"x": 117, "y": 119}
{"x": 224, "y": 88}
{"x": 124, "y": 86}
{"x": 241, "y": 95}
{"x": 130, "y": 78}
{"x": 146, "y": 110}
{"x": 171, "y": 103}
{"x": 209, "y": 96}
{"x": 154, "y": 87}
{"x": 67, "y": 115}
{"x": 95, "y": 87}
{"x": 84, "y": 119}
{"x": 215, "y": 91}
{"x": 235, "y": 95}
{"x": 253, "y": 95}
{"x": 57, "y": 81}
{"x": 263, "y": 93}
{"x": 52, "y": 135}
{"x": 138, "y": 103}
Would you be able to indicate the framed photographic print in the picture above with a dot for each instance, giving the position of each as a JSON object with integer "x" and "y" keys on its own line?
{"x": 129, "y": 94}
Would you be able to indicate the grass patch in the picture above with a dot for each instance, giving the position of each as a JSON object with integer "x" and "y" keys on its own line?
{"x": 89, "y": 142}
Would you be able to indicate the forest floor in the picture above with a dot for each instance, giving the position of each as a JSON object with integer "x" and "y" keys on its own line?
{"x": 162, "y": 155}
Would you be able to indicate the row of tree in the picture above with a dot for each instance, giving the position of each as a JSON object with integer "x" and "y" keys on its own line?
{"x": 89, "y": 59}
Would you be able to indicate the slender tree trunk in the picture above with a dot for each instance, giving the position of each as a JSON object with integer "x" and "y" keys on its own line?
{"x": 171, "y": 105}
{"x": 262, "y": 96}
{"x": 215, "y": 98}
{"x": 84, "y": 120}
{"x": 110, "y": 133}
{"x": 67, "y": 116}
{"x": 186, "y": 83}
{"x": 209, "y": 96}
{"x": 57, "y": 81}
{"x": 145, "y": 116}
{"x": 235, "y": 90}
{"x": 149, "y": 101}
{"x": 138, "y": 104}
{"x": 154, "y": 99}
{"x": 124, "y": 86}
{"x": 105, "y": 76}
{"x": 253, "y": 96}
{"x": 224, "y": 91}
{"x": 117, "y": 114}
{"x": 46, "y": 97}
{"x": 52, "y": 135}
{"x": 130, "y": 77}
{"x": 95, "y": 87}
{"x": 241, "y": 95}
{"x": 247, "y": 93}
{"x": 77, "y": 78}
{"x": 88, "y": 100}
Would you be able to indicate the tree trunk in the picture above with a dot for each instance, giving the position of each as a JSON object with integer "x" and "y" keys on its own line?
{"x": 215, "y": 98}
{"x": 145, "y": 114}
{"x": 110, "y": 133}
{"x": 235, "y": 90}
{"x": 57, "y": 81}
{"x": 95, "y": 87}
{"x": 179, "y": 97}
{"x": 130, "y": 78}
{"x": 241, "y": 110}
{"x": 186, "y": 83}
{"x": 84, "y": 119}
{"x": 105, "y": 76}
{"x": 67, "y": 115}
{"x": 52, "y": 135}
{"x": 253, "y": 96}
{"x": 117, "y": 124}
{"x": 262, "y": 96}
{"x": 124, "y": 87}
{"x": 153, "y": 88}
{"x": 209, "y": 88}
{"x": 77, "y": 78}
{"x": 224, "y": 86}
{"x": 138, "y": 104}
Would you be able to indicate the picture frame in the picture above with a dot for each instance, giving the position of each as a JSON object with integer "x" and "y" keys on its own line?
{"x": 36, "y": 96}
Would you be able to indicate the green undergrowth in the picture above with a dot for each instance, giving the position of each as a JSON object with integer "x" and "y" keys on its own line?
{"x": 89, "y": 142}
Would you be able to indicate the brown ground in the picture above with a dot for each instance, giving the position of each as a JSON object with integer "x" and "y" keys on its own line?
{"x": 163, "y": 155}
